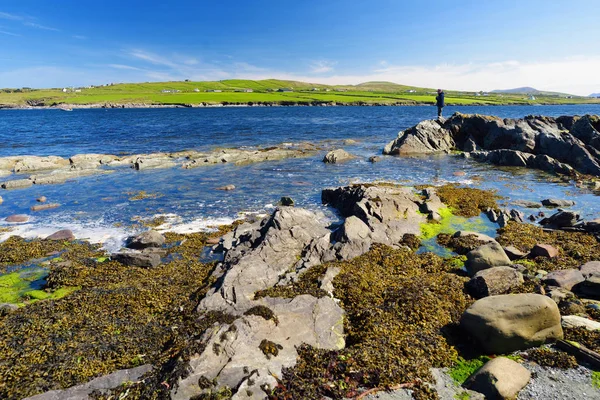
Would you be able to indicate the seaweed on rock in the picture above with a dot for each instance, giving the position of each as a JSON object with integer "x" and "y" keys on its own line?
{"x": 574, "y": 248}
{"x": 399, "y": 308}
{"x": 549, "y": 358}
{"x": 120, "y": 318}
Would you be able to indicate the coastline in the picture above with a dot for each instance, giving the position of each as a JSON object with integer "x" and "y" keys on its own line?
{"x": 253, "y": 104}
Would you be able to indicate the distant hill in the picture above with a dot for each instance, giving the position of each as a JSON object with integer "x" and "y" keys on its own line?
{"x": 529, "y": 90}
{"x": 594, "y": 95}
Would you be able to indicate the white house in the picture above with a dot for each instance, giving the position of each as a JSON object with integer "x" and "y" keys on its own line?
{"x": 531, "y": 97}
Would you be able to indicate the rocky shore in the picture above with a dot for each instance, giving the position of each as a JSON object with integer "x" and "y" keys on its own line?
{"x": 291, "y": 306}
{"x": 300, "y": 309}
{"x": 564, "y": 145}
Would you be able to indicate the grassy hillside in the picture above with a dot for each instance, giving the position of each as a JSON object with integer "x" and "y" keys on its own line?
{"x": 233, "y": 91}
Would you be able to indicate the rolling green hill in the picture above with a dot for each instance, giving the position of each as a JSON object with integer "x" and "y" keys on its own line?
{"x": 270, "y": 91}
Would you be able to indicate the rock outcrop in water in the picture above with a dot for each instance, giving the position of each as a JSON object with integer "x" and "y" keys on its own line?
{"x": 562, "y": 145}
{"x": 54, "y": 170}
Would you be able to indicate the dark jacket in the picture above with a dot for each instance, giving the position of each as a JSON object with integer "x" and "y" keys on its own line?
{"x": 440, "y": 99}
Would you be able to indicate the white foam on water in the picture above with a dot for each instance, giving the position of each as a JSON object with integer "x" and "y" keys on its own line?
{"x": 111, "y": 238}
{"x": 197, "y": 225}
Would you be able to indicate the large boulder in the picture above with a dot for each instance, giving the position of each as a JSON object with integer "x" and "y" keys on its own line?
{"x": 562, "y": 219}
{"x": 505, "y": 323}
{"x": 500, "y": 378}
{"x": 425, "y": 137}
{"x": 486, "y": 256}
{"x": 64, "y": 234}
{"x": 493, "y": 281}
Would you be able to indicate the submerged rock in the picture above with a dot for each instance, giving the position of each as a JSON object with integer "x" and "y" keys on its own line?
{"x": 557, "y": 203}
{"x": 18, "y": 218}
{"x": 336, "y": 156}
{"x": 505, "y": 323}
{"x": 17, "y": 184}
{"x": 562, "y": 219}
{"x": 226, "y": 188}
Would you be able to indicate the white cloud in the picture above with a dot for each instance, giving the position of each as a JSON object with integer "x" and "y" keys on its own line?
{"x": 9, "y": 33}
{"x": 80, "y": 37}
{"x": 4, "y": 15}
{"x": 321, "y": 66}
{"x": 127, "y": 67}
{"x": 39, "y": 26}
{"x": 152, "y": 58}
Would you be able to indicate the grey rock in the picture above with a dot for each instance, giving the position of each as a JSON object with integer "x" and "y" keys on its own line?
{"x": 336, "y": 156}
{"x": 35, "y": 163}
{"x": 137, "y": 259}
{"x": 233, "y": 356}
{"x": 7, "y": 308}
{"x": 558, "y": 384}
{"x": 286, "y": 201}
{"x": 154, "y": 162}
{"x": 17, "y": 218}
{"x": 590, "y": 268}
{"x": 17, "y": 184}
{"x": 479, "y": 236}
{"x": 500, "y": 378}
{"x": 543, "y": 250}
{"x": 590, "y": 287}
{"x": 527, "y": 204}
{"x": 102, "y": 384}
{"x": 513, "y": 253}
{"x": 486, "y": 256}
{"x": 559, "y": 294}
{"x": 146, "y": 239}
{"x": 592, "y": 226}
{"x": 226, "y": 187}
{"x": 557, "y": 203}
{"x": 41, "y": 199}
{"x": 426, "y": 137}
{"x": 493, "y": 281}
{"x": 575, "y": 321}
{"x": 64, "y": 234}
{"x": 43, "y": 207}
{"x": 505, "y": 323}
{"x": 561, "y": 219}
{"x": 566, "y": 278}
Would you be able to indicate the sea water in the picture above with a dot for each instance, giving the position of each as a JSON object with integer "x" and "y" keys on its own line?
{"x": 102, "y": 208}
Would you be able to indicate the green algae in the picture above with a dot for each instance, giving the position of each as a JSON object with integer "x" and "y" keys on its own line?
{"x": 16, "y": 288}
{"x": 464, "y": 368}
{"x": 450, "y": 223}
{"x": 464, "y": 201}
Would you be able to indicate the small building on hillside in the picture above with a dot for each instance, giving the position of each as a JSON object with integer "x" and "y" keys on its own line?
{"x": 284, "y": 90}
{"x": 65, "y": 90}
{"x": 214, "y": 90}
{"x": 315, "y": 89}
{"x": 411, "y": 91}
{"x": 531, "y": 97}
{"x": 196, "y": 90}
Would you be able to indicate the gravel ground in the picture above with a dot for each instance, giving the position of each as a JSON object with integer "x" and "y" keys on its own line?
{"x": 559, "y": 384}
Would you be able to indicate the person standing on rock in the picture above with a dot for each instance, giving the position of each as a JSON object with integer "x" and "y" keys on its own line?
{"x": 439, "y": 101}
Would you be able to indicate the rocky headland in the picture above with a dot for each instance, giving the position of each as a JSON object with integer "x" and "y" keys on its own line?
{"x": 565, "y": 145}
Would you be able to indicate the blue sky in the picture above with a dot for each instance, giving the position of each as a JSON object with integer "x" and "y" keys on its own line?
{"x": 460, "y": 44}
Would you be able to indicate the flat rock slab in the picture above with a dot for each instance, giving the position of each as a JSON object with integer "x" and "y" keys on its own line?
{"x": 18, "y": 218}
{"x": 590, "y": 268}
{"x": 43, "y": 207}
{"x": 102, "y": 384}
{"x": 575, "y": 321}
{"x": 566, "y": 278}
{"x": 17, "y": 184}
{"x": 527, "y": 204}
{"x": 558, "y": 203}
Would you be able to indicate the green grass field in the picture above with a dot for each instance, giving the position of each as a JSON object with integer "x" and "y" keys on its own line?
{"x": 264, "y": 91}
